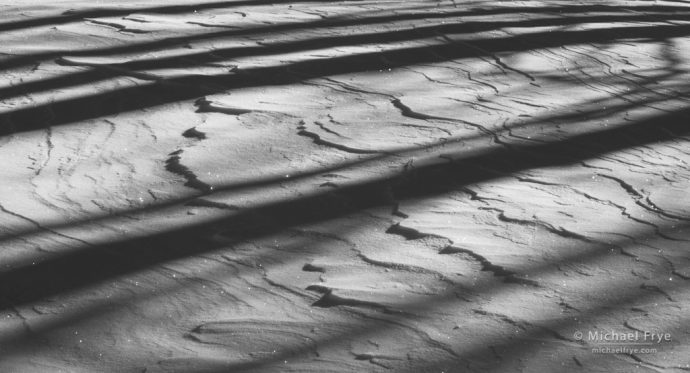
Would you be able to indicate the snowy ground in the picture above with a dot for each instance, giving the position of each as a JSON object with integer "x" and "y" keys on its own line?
{"x": 408, "y": 186}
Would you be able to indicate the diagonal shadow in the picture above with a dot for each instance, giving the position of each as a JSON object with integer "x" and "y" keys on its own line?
{"x": 188, "y": 87}
{"x": 193, "y": 59}
{"x": 337, "y": 21}
{"x": 81, "y": 267}
{"x": 371, "y": 326}
{"x": 78, "y": 15}
{"x": 407, "y": 186}
{"x": 594, "y": 112}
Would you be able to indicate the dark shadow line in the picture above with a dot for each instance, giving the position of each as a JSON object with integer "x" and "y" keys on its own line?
{"x": 374, "y": 324}
{"x": 196, "y": 59}
{"x": 564, "y": 118}
{"x": 341, "y": 21}
{"x": 399, "y": 152}
{"x": 78, "y": 15}
{"x": 86, "y": 265}
{"x": 188, "y": 87}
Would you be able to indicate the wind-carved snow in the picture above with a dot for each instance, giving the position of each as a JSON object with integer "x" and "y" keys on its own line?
{"x": 343, "y": 186}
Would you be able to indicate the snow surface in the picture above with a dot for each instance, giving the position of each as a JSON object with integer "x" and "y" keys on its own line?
{"x": 343, "y": 186}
